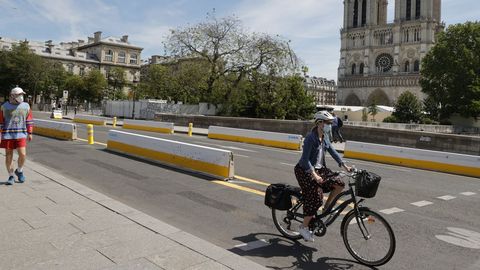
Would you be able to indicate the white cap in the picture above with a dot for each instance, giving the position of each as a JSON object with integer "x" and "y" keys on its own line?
{"x": 16, "y": 91}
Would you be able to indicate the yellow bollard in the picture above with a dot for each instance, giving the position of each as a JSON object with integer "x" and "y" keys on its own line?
{"x": 114, "y": 122}
{"x": 90, "y": 133}
{"x": 190, "y": 129}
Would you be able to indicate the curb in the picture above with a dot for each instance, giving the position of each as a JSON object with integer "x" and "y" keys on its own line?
{"x": 187, "y": 240}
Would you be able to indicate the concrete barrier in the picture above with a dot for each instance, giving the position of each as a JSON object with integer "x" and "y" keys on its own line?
{"x": 55, "y": 129}
{"x": 461, "y": 144}
{"x": 275, "y": 139}
{"x": 202, "y": 159}
{"x": 415, "y": 158}
{"x": 90, "y": 119}
{"x": 154, "y": 126}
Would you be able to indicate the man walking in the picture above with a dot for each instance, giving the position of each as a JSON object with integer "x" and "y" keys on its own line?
{"x": 16, "y": 126}
{"x": 336, "y": 125}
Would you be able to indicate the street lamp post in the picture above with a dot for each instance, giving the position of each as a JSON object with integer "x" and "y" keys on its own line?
{"x": 134, "y": 88}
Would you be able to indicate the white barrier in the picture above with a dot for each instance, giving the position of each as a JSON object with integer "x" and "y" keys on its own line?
{"x": 90, "y": 119}
{"x": 56, "y": 114}
{"x": 55, "y": 129}
{"x": 154, "y": 126}
{"x": 207, "y": 160}
{"x": 415, "y": 158}
{"x": 280, "y": 140}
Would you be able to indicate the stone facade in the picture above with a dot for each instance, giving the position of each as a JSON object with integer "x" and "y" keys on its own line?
{"x": 79, "y": 57}
{"x": 324, "y": 91}
{"x": 380, "y": 60}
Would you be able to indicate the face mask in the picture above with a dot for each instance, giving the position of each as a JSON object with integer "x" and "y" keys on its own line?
{"x": 327, "y": 128}
{"x": 19, "y": 99}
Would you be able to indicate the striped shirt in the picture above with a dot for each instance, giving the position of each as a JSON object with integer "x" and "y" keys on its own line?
{"x": 16, "y": 121}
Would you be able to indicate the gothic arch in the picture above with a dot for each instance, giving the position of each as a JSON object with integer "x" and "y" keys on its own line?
{"x": 352, "y": 100}
{"x": 378, "y": 97}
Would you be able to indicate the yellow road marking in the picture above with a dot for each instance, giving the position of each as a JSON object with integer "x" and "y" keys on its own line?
{"x": 83, "y": 140}
{"x": 252, "y": 180}
{"x": 247, "y": 189}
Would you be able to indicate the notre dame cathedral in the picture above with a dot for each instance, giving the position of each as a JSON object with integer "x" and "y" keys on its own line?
{"x": 380, "y": 60}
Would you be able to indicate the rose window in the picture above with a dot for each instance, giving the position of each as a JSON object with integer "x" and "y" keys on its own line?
{"x": 384, "y": 62}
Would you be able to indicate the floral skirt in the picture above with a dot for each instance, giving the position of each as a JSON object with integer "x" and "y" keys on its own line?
{"x": 312, "y": 191}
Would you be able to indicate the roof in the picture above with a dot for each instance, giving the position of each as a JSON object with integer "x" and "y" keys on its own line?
{"x": 62, "y": 51}
{"x": 111, "y": 40}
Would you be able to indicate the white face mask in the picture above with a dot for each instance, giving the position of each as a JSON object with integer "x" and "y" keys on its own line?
{"x": 327, "y": 128}
{"x": 19, "y": 99}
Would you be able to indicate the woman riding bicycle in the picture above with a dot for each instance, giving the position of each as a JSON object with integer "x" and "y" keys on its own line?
{"x": 312, "y": 174}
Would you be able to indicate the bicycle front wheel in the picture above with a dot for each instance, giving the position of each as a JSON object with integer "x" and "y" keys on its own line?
{"x": 288, "y": 222}
{"x": 369, "y": 239}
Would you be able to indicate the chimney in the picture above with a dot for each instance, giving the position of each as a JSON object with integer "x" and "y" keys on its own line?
{"x": 125, "y": 38}
{"x": 97, "y": 36}
{"x": 49, "y": 46}
{"x": 90, "y": 40}
{"x": 80, "y": 42}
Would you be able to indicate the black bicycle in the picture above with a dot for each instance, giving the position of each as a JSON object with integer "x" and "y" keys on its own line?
{"x": 366, "y": 234}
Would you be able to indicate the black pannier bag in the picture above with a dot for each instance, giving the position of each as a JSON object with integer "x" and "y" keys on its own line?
{"x": 366, "y": 184}
{"x": 278, "y": 196}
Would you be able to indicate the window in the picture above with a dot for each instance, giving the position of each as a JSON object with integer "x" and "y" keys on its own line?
{"x": 70, "y": 68}
{"x": 364, "y": 12}
{"x": 121, "y": 57}
{"x": 417, "y": 9}
{"x": 355, "y": 14}
{"x": 354, "y": 67}
{"x": 109, "y": 56}
{"x": 407, "y": 67}
{"x": 416, "y": 66}
{"x": 82, "y": 71}
{"x": 362, "y": 66}
{"x": 133, "y": 58}
{"x": 408, "y": 15}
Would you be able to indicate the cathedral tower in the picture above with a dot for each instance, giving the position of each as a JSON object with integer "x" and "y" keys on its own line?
{"x": 379, "y": 60}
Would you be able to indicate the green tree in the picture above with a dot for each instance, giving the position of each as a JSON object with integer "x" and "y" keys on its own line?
{"x": 373, "y": 109}
{"x": 95, "y": 86}
{"x": 408, "y": 108}
{"x": 364, "y": 114}
{"x": 76, "y": 88}
{"x": 54, "y": 81}
{"x": 450, "y": 71}
{"x": 117, "y": 80}
{"x": 155, "y": 83}
{"x": 21, "y": 67}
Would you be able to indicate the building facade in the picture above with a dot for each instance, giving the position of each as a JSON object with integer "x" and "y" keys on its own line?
{"x": 79, "y": 57}
{"x": 324, "y": 91}
{"x": 379, "y": 60}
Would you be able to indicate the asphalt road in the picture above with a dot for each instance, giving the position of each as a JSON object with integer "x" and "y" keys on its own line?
{"x": 431, "y": 233}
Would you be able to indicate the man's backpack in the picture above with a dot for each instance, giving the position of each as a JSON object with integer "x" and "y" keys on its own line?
{"x": 339, "y": 122}
{"x": 278, "y": 196}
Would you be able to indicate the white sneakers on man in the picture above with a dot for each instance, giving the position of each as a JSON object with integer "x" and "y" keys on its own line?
{"x": 306, "y": 234}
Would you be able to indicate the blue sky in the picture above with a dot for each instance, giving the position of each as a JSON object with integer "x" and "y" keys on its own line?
{"x": 311, "y": 25}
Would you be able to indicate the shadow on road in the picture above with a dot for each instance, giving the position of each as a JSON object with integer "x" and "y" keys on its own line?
{"x": 303, "y": 255}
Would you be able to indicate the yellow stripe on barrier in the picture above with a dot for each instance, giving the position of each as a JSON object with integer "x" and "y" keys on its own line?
{"x": 170, "y": 158}
{"x": 86, "y": 121}
{"x": 53, "y": 133}
{"x": 152, "y": 129}
{"x": 413, "y": 163}
{"x": 278, "y": 144}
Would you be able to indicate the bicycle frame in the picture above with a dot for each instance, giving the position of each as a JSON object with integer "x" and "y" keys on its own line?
{"x": 335, "y": 210}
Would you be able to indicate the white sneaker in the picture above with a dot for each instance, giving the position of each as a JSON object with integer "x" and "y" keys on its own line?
{"x": 306, "y": 234}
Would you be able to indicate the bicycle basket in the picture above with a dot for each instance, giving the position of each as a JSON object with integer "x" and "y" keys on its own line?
{"x": 278, "y": 196}
{"x": 366, "y": 184}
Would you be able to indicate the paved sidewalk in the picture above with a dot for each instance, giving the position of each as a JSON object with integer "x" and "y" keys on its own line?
{"x": 52, "y": 222}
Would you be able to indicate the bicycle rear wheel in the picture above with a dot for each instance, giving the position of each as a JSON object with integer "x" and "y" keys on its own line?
{"x": 370, "y": 241}
{"x": 289, "y": 221}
